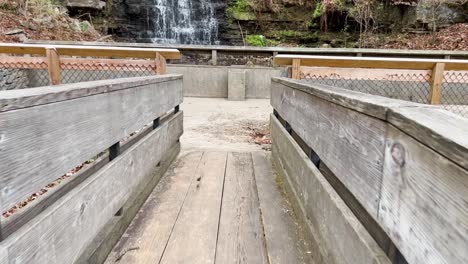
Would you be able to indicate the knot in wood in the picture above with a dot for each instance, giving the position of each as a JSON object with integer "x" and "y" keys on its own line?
{"x": 398, "y": 154}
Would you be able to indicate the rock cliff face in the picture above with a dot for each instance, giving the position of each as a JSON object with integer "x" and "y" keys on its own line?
{"x": 168, "y": 21}
{"x": 240, "y": 22}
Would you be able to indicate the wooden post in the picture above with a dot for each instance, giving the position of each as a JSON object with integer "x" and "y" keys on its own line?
{"x": 296, "y": 69}
{"x": 53, "y": 65}
{"x": 160, "y": 64}
{"x": 437, "y": 78}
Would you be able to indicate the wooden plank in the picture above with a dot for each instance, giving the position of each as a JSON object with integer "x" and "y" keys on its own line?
{"x": 437, "y": 77}
{"x": 424, "y": 204}
{"x": 149, "y": 232}
{"x": 350, "y": 143}
{"x": 193, "y": 239}
{"x": 62, "y": 232}
{"x": 23, "y": 98}
{"x": 284, "y": 243}
{"x": 53, "y": 66}
{"x": 296, "y": 69}
{"x": 85, "y": 127}
{"x": 438, "y": 129}
{"x": 372, "y": 105}
{"x": 160, "y": 63}
{"x": 341, "y": 237}
{"x": 240, "y": 237}
{"x": 370, "y": 62}
{"x": 94, "y": 51}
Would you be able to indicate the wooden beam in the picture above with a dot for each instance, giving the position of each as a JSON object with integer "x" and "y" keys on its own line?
{"x": 371, "y": 62}
{"x": 53, "y": 65}
{"x": 160, "y": 64}
{"x": 437, "y": 78}
{"x": 94, "y": 51}
{"x": 296, "y": 69}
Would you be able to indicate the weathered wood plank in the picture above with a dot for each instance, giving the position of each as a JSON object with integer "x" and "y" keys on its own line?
{"x": 341, "y": 237}
{"x": 376, "y": 106}
{"x": 98, "y": 251}
{"x": 62, "y": 232}
{"x": 84, "y": 127}
{"x": 284, "y": 244}
{"x": 160, "y": 62}
{"x": 53, "y": 66}
{"x": 150, "y": 230}
{"x": 240, "y": 237}
{"x": 350, "y": 143}
{"x": 23, "y": 98}
{"x": 440, "y": 130}
{"x": 424, "y": 204}
{"x": 85, "y": 51}
{"x": 370, "y": 62}
{"x": 193, "y": 239}
{"x": 437, "y": 77}
{"x": 296, "y": 69}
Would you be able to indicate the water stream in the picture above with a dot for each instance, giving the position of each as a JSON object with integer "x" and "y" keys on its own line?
{"x": 184, "y": 22}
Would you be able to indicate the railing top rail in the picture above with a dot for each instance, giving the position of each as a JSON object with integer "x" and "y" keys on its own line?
{"x": 82, "y": 50}
{"x": 370, "y": 62}
{"x": 23, "y": 98}
{"x": 269, "y": 49}
{"x": 438, "y": 129}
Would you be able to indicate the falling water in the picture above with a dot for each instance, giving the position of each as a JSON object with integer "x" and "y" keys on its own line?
{"x": 184, "y": 22}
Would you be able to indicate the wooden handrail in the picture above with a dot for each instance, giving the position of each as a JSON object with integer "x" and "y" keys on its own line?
{"x": 436, "y": 66}
{"x": 52, "y": 57}
{"x": 371, "y": 62}
{"x": 71, "y": 50}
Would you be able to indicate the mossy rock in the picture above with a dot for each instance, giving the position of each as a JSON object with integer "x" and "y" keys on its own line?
{"x": 243, "y": 16}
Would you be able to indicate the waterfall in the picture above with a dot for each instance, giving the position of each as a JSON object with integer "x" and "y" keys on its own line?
{"x": 184, "y": 22}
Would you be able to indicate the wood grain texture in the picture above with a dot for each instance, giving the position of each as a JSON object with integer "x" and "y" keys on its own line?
{"x": 160, "y": 62}
{"x": 87, "y": 50}
{"x": 98, "y": 251}
{"x": 340, "y": 235}
{"x": 240, "y": 237}
{"x": 437, "y": 77}
{"x": 284, "y": 244}
{"x": 153, "y": 225}
{"x": 440, "y": 130}
{"x": 53, "y": 66}
{"x": 23, "y": 98}
{"x": 350, "y": 143}
{"x": 193, "y": 239}
{"x": 62, "y": 232}
{"x": 370, "y": 62}
{"x": 39, "y": 144}
{"x": 424, "y": 204}
{"x": 373, "y": 105}
{"x": 296, "y": 69}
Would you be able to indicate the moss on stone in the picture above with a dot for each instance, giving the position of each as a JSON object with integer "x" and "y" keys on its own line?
{"x": 255, "y": 40}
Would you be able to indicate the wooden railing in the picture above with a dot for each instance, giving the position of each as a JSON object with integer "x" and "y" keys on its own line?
{"x": 122, "y": 134}
{"x": 432, "y": 68}
{"x": 54, "y": 58}
{"x": 367, "y": 170}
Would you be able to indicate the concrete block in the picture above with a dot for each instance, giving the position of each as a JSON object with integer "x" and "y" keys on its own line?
{"x": 236, "y": 84}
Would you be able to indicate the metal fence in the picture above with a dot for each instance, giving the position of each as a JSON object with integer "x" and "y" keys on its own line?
{"x": 28, "y": 72}
{"x": 409, "y": 85}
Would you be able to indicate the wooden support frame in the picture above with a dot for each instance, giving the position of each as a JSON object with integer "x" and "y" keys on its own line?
{"x": 296, "y": 69}
{"x": 436, "y": 81}
{"x": 160, "y": 63}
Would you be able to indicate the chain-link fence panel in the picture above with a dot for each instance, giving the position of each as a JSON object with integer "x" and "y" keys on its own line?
{"x": 408, "y": 85}
{"x": 29, "y": 72}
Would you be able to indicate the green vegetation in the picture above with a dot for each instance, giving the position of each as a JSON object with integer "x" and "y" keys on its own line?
{"x": 255, "y": 40}
{"x": 238, "y": 8}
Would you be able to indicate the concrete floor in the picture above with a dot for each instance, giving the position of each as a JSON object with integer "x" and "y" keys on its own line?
{"x": 222, "y": 125}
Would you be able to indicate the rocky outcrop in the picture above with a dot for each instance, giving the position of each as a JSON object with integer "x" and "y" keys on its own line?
{"x": 85, "y": 4}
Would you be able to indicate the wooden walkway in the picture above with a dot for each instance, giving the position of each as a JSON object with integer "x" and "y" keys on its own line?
{"x": 215, "y": 207}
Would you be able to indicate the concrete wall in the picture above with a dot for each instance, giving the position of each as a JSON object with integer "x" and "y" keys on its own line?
{"x": 212, "y": 81}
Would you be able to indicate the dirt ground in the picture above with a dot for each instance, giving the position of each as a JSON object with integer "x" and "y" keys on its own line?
{"x": 219, "y": 124}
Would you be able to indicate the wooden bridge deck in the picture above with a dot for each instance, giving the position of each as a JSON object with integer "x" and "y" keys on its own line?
{"x": 215, "y": 207}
